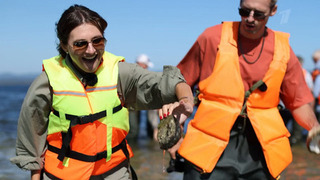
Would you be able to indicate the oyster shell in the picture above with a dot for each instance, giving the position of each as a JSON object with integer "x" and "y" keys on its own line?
{"x": 169, "y": 132}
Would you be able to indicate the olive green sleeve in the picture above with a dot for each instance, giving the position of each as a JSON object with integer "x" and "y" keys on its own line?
{"x": 143, "y": 89}
{"x": 32, "y": 125}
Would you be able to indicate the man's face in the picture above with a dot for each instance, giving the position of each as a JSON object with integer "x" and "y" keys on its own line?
{"x": 144, "y": 66}
{"x": 254, "y": 17}
{"x": 315, "y": 59}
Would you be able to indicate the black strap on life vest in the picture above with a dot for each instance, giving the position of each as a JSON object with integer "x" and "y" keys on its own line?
{"x": 92, "y": 158}
{"x": 82, "y": 119}
{"x": 74, "y": 120}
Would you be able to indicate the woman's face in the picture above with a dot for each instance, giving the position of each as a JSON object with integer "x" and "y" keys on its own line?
{"x": 86, "y": 46}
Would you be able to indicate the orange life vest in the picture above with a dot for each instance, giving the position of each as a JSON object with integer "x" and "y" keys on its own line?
{"x": 222, "y": 98}
{"x": 87, "y": 126}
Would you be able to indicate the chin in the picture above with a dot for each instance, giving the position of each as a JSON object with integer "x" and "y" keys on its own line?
{"x": 91, "y": 70}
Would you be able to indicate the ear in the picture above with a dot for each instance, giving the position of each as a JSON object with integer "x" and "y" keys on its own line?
{"x": 274, "y": 10}
{"x": 64, "y": 47}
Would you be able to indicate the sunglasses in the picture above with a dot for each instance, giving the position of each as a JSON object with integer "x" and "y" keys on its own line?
{"x": 96, "y": 43}
{"x": 258, "y": 15}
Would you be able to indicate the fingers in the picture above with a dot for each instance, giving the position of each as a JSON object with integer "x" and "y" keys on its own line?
{"x": 188, "y": 107}
{"x": 172, "y": 154}
{"x": 183, "y": 111}
{"x": 172, "y": 151}
{"x": 163, "y": 112}
{"x": 313, "y": 132}
{"x": 167, "y": 109}
{"x": 313, "y": 140}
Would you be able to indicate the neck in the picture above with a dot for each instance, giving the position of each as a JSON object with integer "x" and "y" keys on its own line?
{"x": 242, "y": 52}
{"x": 252, "y": 35}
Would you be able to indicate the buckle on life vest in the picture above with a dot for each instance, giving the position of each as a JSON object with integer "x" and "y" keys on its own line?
{"x": 102, "y": 155}
{"x": 83, "y": 119}
{"x": 89, "y": 118}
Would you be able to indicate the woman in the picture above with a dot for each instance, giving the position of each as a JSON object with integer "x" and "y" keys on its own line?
{"x": 73, "y": 122}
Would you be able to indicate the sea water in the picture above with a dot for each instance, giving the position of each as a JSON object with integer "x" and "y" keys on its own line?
{"x": 11, "y": 98}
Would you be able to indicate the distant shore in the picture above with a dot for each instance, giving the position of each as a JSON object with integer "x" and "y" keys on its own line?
{"x": 10, "y": 79}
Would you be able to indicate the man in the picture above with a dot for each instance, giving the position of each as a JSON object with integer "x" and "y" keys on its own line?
{"x": 243, "y": 69}
{"x": 307, "y": 74}
{"x": 316, "y": 58}
{"x": 316, "y": 79}
{"x": 152, "y": 115}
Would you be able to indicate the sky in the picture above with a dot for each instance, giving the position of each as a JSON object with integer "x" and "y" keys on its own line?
{"x": 163, "y": 29}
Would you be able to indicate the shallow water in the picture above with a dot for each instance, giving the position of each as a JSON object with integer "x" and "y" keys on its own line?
{"x": 148, "y": 161}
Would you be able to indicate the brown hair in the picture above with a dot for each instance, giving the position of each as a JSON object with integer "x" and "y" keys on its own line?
{"x": 272, "y": 3}
{"x": 71, "y": 18}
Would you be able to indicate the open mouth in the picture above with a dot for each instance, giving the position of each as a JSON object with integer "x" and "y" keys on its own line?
{"x": 90, "y": 63}
{"x": 91, "y": 58}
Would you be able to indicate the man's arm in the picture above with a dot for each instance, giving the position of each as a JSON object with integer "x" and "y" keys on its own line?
{"x": 305, "y": 117}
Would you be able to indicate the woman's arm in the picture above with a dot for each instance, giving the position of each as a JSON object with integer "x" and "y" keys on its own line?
{"x": 141, "y": 89}
{"x": 32, "y": 126}
{"x": 35, "y": 174}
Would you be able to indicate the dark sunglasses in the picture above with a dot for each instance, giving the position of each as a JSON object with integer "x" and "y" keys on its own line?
{"x": 258, "y": 15}
{"x": 96, "y": 43}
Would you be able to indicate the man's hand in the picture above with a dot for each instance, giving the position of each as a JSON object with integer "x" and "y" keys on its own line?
{"x": 172, "y": 151}
{"x": 313, "y": 140}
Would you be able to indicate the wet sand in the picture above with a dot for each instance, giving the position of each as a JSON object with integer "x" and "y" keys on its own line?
{"x": 304, "y": 165}
{"x": 148, "y": 163}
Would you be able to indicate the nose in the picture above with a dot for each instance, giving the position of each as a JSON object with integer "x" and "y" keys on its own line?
{"x": 90, "y": 49}
{"x": 250, "y": 18}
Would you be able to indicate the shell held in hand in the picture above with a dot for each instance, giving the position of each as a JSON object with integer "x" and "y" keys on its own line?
{"x": 169, "y": 132}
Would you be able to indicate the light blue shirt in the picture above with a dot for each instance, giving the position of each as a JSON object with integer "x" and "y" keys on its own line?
{"x": 316, "y": 87}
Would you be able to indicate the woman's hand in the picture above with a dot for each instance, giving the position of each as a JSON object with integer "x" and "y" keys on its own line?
{"x": 35, "y": 174}
{"x": 181, "y": 110}
{"x": 172, "y": 151}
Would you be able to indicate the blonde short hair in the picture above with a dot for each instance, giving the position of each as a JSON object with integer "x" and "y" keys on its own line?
{"x": 272, "y": 3}
{"x": 316, "y": 55}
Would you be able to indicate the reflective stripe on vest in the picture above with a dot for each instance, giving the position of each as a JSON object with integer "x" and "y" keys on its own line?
{"x": 222, "y": 97}
{"x": 98, "y": 127}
